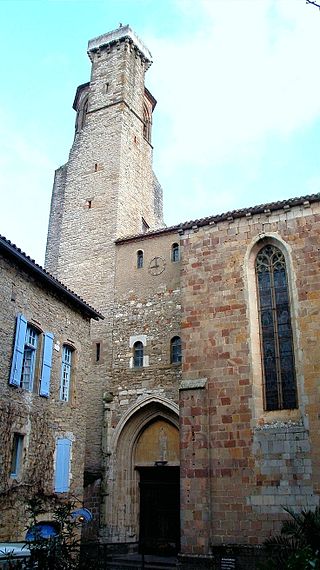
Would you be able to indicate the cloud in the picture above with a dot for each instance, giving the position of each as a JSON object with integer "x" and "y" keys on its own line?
{"x": 251, "y": 70}
{"x": 233, "y": 79}
{"x": 237, "y": 80}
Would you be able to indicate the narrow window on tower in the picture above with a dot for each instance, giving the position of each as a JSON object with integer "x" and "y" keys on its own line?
{"x": 138, "y": 354}
{"x": 84, "y": 112}
{"x": 175, "y": 350}
{"x": 98, "y": 351}
{"x": 139, "y": 259}
{"x": 277, "y": 352}
{"x": 146, "y": 123}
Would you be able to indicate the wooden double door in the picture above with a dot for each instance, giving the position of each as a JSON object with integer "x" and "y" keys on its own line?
{"x": 159, "y": 510}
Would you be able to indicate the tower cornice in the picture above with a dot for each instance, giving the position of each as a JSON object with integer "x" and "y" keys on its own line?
{"x": 121, "y": 34}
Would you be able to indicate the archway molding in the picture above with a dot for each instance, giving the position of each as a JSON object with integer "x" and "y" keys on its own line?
{"x": 144, "y": 410}
{"x": 122, "y": 480}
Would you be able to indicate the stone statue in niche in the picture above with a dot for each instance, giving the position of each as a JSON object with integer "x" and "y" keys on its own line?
{"x": 163, "y": 444}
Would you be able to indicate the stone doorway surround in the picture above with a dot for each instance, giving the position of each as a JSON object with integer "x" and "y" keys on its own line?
{"x": 148, "y": 433}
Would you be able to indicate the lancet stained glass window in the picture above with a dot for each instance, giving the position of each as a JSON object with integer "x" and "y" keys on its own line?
{"x": 275, "y": 330}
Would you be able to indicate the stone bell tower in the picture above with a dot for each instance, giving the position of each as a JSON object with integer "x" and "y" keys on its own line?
{"x": 105, "y": 191}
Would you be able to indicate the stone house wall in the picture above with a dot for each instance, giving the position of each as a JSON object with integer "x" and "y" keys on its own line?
{"x": 39, "y": 419}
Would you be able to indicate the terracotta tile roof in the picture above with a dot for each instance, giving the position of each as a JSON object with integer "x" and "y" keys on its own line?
{"x": 11, "y": 250}
{"x": 215, "y": 219}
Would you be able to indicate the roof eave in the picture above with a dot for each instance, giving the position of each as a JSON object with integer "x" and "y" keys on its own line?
{"x": 241, "y": 213}
{"x": 47, "y": 278}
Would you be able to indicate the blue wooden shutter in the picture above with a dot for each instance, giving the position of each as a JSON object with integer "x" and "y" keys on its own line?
{"x": 46, "y": 365}
{"x": 18, "y": 351}
{"x": 63, "y": 450}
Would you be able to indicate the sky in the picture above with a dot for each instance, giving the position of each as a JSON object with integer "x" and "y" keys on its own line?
{"x": 237, "y": 82}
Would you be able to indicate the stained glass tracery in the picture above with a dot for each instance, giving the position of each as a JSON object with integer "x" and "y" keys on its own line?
{"x": 275, "y": 330}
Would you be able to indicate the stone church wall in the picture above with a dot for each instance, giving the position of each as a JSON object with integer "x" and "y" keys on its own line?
{"x": 149, "y": 306}
{"x": 240, "y": 465}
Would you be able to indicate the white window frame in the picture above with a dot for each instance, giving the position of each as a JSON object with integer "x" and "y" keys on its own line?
{"x": 29, "y": 358}
{"x": 66, "y": 369}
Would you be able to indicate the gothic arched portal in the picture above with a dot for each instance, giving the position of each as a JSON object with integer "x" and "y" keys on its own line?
{"x": 142, "y": 482}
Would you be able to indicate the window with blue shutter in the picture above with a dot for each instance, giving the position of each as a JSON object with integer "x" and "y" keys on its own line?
{"x": 62, "y": 471}
{"x": 18, "y": 351}
{"x": 46, "y": 365}
{"x": 31, "y": 343}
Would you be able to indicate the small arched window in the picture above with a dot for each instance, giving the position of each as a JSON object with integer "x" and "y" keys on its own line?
{"x": 138, "y": 354}
{"x": 139, "y": 259}
{"x": 175, "y": 252}
{"x": 277, "y": 353}
{"x": 175, "y": 350}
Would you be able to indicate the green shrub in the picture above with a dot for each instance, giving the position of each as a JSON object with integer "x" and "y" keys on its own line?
{"x": 297, "y": 547}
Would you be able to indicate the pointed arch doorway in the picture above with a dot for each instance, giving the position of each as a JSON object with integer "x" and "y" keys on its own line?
{"x": 157, "y": 462}
{"x": 142, "y": 505}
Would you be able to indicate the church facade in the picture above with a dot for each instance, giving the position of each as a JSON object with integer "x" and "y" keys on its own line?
{"x": 203, "y": 396}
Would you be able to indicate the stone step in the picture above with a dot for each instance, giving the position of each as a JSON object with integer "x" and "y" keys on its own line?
{"x": 125, "y": 565}
{"x": 131, "y": 562}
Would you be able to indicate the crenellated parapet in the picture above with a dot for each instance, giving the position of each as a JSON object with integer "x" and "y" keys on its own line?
{"x": 113, "y": 40}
